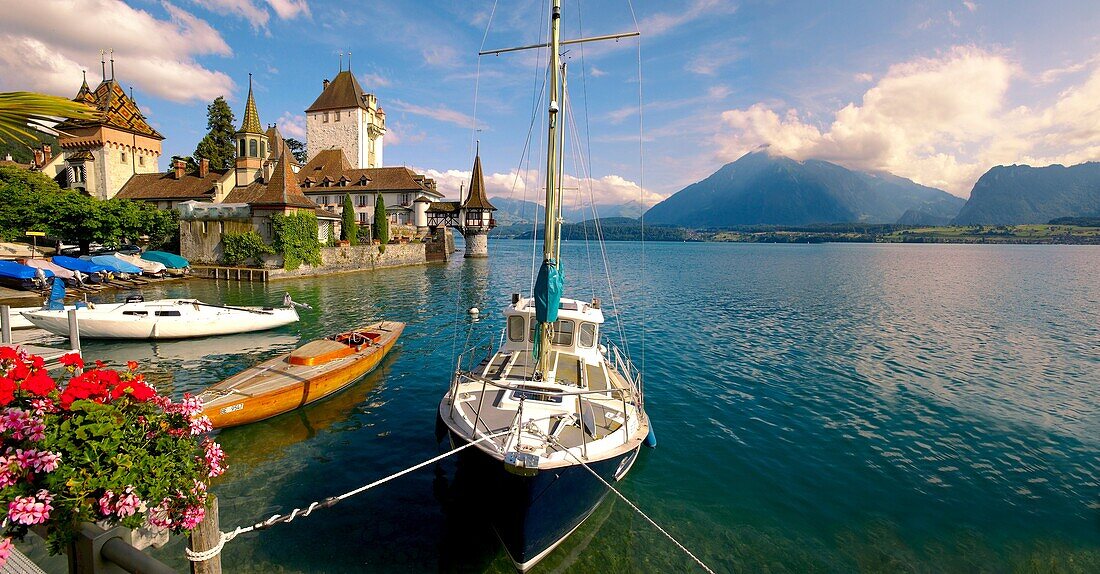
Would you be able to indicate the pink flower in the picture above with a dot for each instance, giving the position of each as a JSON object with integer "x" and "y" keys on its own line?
{"x": 39, "y": 461}
{"x": 160, "y": 516}
{"x": 201, "y": 424}
{"x": 106, "y": 503}
{"x": 192, "y": 516}
{"x": 128, "y": 503}
{"x": 214, "y": 457}
{"x": 5, "y": 550}
{"x": 31, "y": 510}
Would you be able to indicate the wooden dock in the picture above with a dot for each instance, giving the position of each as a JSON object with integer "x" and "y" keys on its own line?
{"x": 251, "y": 274}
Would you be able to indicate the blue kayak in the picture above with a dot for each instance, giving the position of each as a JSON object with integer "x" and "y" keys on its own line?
{"x": 80, "y": 265}
{"x": 169, "y": 260}
{"x": 115, "y": 264}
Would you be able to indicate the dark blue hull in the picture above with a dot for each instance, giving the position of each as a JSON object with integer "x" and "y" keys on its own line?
{"x": 532, "y": 515}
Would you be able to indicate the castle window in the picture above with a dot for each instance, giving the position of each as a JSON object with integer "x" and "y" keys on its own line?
{"x": 362, "y": 217}
{"x": 122, "y": 157}
{"x": 336, "y": 116}
{"x": 362, "y": 200}
{"x": 242, "y": 148}
{"x": 141, "y": 160}
{"x": 252, "y": 149}
{"x": 326, "y": 117}
{"x": 263, "y": 151}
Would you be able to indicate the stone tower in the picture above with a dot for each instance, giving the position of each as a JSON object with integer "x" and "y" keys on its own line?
{"x": 251, "y": 144}
{"x": 99, "y": 156}
{"x": 347, "y": 118}
{"x": 476, "y": 215}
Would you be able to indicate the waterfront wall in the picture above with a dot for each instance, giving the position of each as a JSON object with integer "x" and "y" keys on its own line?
{"x": 362, "y": 258}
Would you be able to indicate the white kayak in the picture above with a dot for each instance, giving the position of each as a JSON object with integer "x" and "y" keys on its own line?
{"x": 163, "y": 319}
{"x": 147, "y": 267}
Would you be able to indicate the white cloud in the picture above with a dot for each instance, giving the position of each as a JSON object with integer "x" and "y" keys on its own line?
{"x": 596, "y": 72}
{"x": 578, "y": 192}
{"x": 439, "y": 112}
{"x": 289, "y": 9}
{"x": 713, "y": 57}
{"x": 939, "y": 121}
{"x": 292, "y": 126}
{"x": 439, "y": 55}
{"x": 863, "y": 77}
{"x": 972, "y": 6}
{"x": 254, "y": 12}
{"x": 664, "y": 22}
{"x": 156, "y": 56}
{"x": 372, "y": 81}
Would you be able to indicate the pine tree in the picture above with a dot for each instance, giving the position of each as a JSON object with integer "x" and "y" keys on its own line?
{"x": 348, "y": 230}
{"x": 218, "y": 146}
{"x": 381, "y": 224}
{"x": 297, "y": 148}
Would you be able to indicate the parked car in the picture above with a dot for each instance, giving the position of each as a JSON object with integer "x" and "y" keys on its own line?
{"x": 124, "y": 249}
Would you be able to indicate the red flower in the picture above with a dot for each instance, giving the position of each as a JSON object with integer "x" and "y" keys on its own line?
{"x": 20, "y": 371}
{"x": 132, "y": 365}
{"x": 100, "y": 364}
{"x": 39, "y": 383}
{"x": 137, "y": 389}
{"x": 9, "y": 353}
{"x": 7, "y": 391}
{"x": 38, "y": 362}
{"x": 72, "y": 360}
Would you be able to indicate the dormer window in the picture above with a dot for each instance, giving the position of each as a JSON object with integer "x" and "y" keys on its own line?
{"x": 362, "y": 180}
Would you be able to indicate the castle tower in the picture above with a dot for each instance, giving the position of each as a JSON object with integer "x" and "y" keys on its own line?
{"x": 251, "y": 144}
{"x": 99, "y": 156}
{"x": 347, "y": 118}
{"x": 476, "y": 215}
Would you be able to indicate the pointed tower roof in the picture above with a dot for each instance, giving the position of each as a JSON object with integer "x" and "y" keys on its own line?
{"x": 476, "y": 197}
{"x": 117, "y": 109}
{"x": 84, "y": 89}
{"x": 342, "y": 92}
{"x": 282, "y": 190}
{"x": 251, "y": 123}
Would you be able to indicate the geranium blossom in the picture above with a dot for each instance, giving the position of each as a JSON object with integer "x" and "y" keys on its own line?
{"x": 72, "y": 360}
{"x": 214, "y": 456}
{"x": 31, "y": 510}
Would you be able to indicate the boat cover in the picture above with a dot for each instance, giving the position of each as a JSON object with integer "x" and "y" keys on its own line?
{"x": 115, "y": 264}
{"x": 15, "y": 270}
{"x": 145, "y": 265}
{"x": 81, "y": 265}
{"x": 169, "y": 260}
{"x": 50, "y": 266}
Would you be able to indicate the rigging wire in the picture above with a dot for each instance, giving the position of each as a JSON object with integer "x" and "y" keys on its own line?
{"x": 641, "y": 199}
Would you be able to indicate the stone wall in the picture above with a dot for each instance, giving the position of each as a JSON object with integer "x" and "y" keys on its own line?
{"x": 201, "y": 241}
{"x": 359, "y": 258}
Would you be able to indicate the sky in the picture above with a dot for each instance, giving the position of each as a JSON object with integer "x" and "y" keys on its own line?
{"x": 936, "y": 91}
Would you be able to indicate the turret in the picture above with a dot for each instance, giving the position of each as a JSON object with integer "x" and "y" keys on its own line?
{"x": 251, "y": 144}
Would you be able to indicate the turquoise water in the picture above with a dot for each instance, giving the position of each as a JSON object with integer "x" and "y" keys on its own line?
{"x": 826, "y": 408}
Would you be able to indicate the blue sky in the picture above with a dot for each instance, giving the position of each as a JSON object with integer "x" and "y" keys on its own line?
{"x": 935, "y": 91}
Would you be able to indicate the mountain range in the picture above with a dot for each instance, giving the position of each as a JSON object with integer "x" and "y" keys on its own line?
{"x": 1019, "y": 194}
{"x": 765, "y": 189}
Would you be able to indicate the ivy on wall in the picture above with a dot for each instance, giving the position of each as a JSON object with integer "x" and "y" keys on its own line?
{"x": 295, "y": 237}
{"x": 238, "y": 248}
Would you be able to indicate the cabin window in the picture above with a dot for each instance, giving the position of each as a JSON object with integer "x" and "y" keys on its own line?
{"x": 515, "y": 328}
{"x": 253, "y": 149}
{"x": 167, "y": 313}
{"x": 588, "y": 334}
{"x": 562, "y": 333}
{"x": 140, "y": 313}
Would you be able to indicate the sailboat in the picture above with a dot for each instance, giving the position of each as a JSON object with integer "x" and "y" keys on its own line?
{"x": 555, "y": 412}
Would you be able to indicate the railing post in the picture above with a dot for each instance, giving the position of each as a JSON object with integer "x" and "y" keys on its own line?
{"x": 205, "y": 536}
{"x": 5, "y": 324}
{"x": 74, "y": 331}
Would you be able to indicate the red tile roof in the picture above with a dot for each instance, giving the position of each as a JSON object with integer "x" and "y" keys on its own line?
{"x": 152, "y": 186}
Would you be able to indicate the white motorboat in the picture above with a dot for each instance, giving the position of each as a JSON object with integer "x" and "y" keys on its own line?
{"x": 163, "y": 319}
{"x": 556, "y": 412}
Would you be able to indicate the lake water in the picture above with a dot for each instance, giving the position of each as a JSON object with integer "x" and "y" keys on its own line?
{"x": 827, "y": 408}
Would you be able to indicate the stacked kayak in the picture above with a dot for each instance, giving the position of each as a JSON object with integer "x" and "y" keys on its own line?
{"x": 147, "y": 267}
{"x": 19, "y": 276}
{"x": 94, "y": 272}
{"x": 175, "y": 264}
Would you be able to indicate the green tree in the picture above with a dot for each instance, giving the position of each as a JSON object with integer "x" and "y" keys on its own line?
{"x": 348, "y": 229}
{"x": 381, "y": 224}
{"x": 218, "y": 144}
{"x": 24, "y": 197}
{"x": 297, "y": 148}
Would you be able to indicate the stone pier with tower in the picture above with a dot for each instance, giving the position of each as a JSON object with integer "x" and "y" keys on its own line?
{"x": 473, "y": 216}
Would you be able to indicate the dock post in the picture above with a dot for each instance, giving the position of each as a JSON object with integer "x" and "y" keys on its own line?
{"x": 205, "y": 536}
{"x": 5, "y": 324}
{"x": 74, "y": 331}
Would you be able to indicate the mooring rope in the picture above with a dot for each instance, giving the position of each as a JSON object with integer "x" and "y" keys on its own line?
{"x": 623, "y": 497}
{"x": 205, "y": 555}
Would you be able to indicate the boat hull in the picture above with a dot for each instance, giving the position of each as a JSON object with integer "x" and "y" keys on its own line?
{"x": 541, "y": 511}
{"x": 117, "y": 326}
{"x": 275, "y": 387}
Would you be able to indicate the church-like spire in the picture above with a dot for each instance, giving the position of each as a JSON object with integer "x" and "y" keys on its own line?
{"x": 251, "y": 122}
{"x": 476, "y": 199}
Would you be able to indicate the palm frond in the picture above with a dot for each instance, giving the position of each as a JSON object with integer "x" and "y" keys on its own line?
{"x": 24, "y": 113}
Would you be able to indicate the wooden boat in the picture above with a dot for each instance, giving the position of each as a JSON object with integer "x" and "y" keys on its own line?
{"x": 307, "y": 374}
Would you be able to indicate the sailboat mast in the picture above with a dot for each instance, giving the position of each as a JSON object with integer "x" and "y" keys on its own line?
{"x": 551, "y": 226}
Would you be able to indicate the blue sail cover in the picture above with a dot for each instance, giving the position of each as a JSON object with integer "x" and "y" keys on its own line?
{"x": 13, "y": 270}
{"x": 57, "y": 295}
{"x": 548, "y": 287}
{"x": 115, "y": 264}
{"x": 80, "y": 265}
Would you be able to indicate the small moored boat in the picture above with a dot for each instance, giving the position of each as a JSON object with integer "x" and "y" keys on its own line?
{"x": 94, "y": 273}
{"x": 67, "y": 275}
{"x": 164, "y": 319}
{"x": 175, "y": 264}
{"x": 151, "y": 268}
{"x": 19, "y": 276}
{"x": 307, "y": 374}
{"x": 114, "y": 264}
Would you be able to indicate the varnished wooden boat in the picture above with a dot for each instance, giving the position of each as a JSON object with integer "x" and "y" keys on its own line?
{"x": 307, "y": 374}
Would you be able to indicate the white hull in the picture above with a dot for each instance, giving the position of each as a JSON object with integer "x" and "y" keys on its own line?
{"x": 163, "y": 319}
